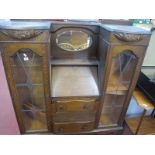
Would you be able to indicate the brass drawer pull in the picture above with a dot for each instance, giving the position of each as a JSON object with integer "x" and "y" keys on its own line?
{"x": 61, "y": 130}
{"x": 86, "y": 107}
{"x": 61, "y": 108}
{"x": 84, "y": 126}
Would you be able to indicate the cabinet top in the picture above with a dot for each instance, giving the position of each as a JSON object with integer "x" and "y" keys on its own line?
{"x": 40, "y": 25}
{"x": 25, "y": 25}
{"x": 21, "y": 25}
{"x": 125, "y": 29}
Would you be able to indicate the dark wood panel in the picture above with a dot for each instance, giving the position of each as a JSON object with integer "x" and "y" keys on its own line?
{"x": 73, "y": 122}
{"x": 61, "y": 128}
{"x": 43, "y": 37}
{"x": 79, "y": 62}
{"x": 74, "y": 81}
{"x": 73, "y": 116}
{"x": 81, "y": 104}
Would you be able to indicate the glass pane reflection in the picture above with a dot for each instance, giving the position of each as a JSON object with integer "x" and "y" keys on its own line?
{"x": 28, "y": 77}
{"x": 73, "y": 40}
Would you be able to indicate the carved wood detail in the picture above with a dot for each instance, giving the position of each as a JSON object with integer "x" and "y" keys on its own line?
{"x": 128, "y": 37}
{"x": 22, "y": 34}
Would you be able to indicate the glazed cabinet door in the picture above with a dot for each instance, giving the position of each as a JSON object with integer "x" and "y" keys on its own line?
{"x": 27, "y": 73}
{"x": 124, "y": 63}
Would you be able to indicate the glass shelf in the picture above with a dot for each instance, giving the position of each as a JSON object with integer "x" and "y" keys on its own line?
{"x": 113, "y": 89}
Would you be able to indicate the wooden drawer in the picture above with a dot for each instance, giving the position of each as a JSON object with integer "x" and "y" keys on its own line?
{"x": 73, "y": 122}
{"x": 61, "y": 128}
{"x": 71, "y": 105}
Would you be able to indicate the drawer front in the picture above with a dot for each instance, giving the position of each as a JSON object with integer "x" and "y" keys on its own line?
{"x": 75, "y": 105}
{"x": 60, "y": 128}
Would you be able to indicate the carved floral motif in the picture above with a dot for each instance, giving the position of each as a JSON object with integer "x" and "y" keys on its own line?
{"x": 128, "y": 37}
{"x": 21, "y": 34}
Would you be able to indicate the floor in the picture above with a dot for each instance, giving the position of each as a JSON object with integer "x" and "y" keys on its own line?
{"x": 147, "y": 126}
{"x": 126, "y": 130}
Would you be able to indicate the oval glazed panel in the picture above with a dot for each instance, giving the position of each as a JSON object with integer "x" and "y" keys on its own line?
{"x": 73, "y": 40}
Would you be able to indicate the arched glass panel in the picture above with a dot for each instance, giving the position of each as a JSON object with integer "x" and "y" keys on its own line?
{"x": 121, "y": 72}
{"x": 28, "y": 78}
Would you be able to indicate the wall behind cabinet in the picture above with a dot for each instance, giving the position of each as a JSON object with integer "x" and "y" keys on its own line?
{"x": 149, "y": 60}
{"x": 8, "y": 122}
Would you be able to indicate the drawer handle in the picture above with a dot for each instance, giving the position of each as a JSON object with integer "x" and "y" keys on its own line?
{"x": 61, "y": 108}
{"x": 84, "y": 126}
{"x": 61, "y": 130}
{"x": 86, "y": 107}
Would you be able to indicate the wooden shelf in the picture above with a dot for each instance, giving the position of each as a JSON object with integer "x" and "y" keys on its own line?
{"x": 74, "y": 81}
{"x": 79, "y": 62}
{"x": 147, "y": 126}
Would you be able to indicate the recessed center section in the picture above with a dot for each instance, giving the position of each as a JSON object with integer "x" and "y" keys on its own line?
{"x": 74, "y": 81}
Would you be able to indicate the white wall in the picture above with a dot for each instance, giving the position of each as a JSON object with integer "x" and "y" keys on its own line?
{"x": 134, "y": 109}
{"x": 149, "y": 60}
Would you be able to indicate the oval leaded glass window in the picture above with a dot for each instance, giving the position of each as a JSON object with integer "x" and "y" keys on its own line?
{"x": 73, "y": 40}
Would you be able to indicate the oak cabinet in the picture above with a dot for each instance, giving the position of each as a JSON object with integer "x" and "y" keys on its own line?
{"x": 26, "y": 71}
{"x": 72, "y": 78}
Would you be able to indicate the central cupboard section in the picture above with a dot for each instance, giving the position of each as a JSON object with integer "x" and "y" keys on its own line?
{"x": 74, "y": 78}
{"x": 90, "y": 78}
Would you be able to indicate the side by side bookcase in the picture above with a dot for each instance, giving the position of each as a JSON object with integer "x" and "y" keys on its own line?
{"x": 71, "y": 77}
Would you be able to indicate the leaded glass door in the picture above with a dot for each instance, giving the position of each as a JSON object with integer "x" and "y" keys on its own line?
{"x": 122, "y": 69}
{"x": 26, "y": 73}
